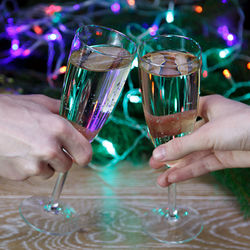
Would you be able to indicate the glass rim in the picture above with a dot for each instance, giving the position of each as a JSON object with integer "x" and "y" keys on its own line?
{"x": 111, "y": 30}
{"x": 197, "y": 58}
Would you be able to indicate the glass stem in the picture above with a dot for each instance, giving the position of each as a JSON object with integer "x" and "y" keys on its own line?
{"x": 172, "y": 201}
{"x": 54, "y": 200}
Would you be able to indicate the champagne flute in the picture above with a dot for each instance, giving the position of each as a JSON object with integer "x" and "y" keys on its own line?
{"x": 169, "y": 71}
{"x": 98, "y": 65}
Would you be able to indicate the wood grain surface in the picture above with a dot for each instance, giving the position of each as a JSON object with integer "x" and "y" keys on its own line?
{"x": 117, "y": 198}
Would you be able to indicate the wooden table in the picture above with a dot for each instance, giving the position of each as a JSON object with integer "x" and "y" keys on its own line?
{"x": 131, "y": 187}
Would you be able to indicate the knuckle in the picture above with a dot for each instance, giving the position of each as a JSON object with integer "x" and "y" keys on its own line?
{"x": 215, "y": 96}
{"x": 85, "y": 157}
{"x": 41, "y": 97}
{"x": 37, "y": 170}
{"x": 208, "y": 141}
{"x": 176, "y": 145}
{"x": 89, "y": 156}
{"x": 51, "y": 152}
{"x": 33, "y": 170}
{"x": 61, "y": 126}
{"x": 194, "y": 172}
{"x": 209, "y": 164}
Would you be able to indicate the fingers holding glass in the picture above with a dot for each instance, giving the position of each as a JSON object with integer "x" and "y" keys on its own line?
{"x": 169, "y": 71}
{"x": 98, "y": 66}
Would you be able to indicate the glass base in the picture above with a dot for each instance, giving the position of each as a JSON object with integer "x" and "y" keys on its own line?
{"x": 183, "y": 227}
{"x": 58, "y": 220}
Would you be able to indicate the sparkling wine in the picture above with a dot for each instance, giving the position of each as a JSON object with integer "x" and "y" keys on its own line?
{"x": 92, "y": 85}
{"x": 170, "y": 90}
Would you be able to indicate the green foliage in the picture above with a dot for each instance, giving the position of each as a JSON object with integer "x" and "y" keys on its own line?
{"x": 237, "y": 181}
{"x": 215, "y": 83}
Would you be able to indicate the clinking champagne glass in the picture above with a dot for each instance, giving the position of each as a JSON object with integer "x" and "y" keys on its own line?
{"x": 169, "y": 71}
{"x": 98, "y": 66}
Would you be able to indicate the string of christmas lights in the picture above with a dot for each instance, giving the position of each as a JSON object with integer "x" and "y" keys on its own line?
{"x": 27, "y": 30}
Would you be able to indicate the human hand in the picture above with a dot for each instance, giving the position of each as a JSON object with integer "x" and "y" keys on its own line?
{"x": 220, "y": 140}
{"x": 32, "y": 136}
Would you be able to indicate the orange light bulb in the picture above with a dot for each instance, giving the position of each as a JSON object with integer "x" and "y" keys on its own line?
{"x": 198, "y": 9}
{"x": 226, "y": 73}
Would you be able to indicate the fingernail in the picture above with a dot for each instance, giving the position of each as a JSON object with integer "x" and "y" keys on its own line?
{"x": 172, "y": 178}
{"x": 159, "y": 154}
{"x": 162, "y": 182}
{"x": 158, "y": 185}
